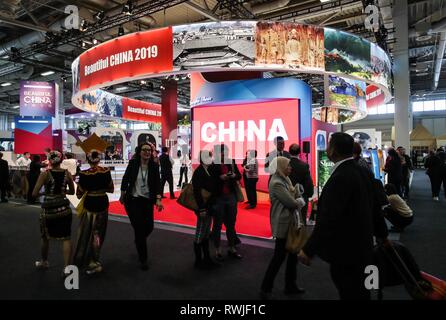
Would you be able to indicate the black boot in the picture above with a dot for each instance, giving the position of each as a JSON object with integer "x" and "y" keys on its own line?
{"x": 198, "y": 258}
{"x": 207, "y": 261}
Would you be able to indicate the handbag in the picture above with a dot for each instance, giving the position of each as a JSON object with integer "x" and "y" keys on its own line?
{"x": 187, "y": 198}
{"x": 297, "y": 234}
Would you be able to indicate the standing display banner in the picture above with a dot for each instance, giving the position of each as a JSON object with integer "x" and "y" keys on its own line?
{"x": 321, "y": 168}
{"x": 38, "y": 98}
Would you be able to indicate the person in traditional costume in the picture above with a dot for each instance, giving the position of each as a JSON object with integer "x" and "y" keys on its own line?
{"x": 93, "y": 186}
{"x": 56, "y": 215}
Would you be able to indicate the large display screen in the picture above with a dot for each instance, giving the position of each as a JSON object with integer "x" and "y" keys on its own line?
{"x": 248, "y": 126}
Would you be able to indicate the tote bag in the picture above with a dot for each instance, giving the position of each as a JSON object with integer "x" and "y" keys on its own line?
{"x": 187, "y": 199}
{"x": 297, "y": 234}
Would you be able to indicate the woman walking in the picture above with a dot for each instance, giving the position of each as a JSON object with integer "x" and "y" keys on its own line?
{"x": 140, "y": 191}
{"x": 283, "y": 205}
{"x": 56, "y": 215}
{"x": 93, "y": 185}
{"x": 203, "y": 182}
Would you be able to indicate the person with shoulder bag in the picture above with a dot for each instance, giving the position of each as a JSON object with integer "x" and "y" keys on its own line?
{"x": 283, "y": 205}
{"x": 202, "y": 180}
{"x": 140, "y": 192}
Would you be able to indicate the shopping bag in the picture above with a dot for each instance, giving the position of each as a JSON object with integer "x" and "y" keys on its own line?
{"x": 297, "y": 234}
{"x": 187, "y": 198}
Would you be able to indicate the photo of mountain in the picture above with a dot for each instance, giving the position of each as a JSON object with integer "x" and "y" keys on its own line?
{"x": 347, "y": 54}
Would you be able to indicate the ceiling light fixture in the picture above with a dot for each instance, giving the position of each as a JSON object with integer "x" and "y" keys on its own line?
{"x": 47, "y": 73}
{"x": 6, "y": 84}
{"x": 128, "y": 8}
{"x": 99, "y": 16}
{"x": 95, "y": 41}
{"x": 121, "y": 31}
{"x": 16, "y": 107}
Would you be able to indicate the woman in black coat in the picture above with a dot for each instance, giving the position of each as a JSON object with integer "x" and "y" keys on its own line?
{"x": 394, "y": 170}
{"x": 203, "y": 183}
{"x": 140, "y": 191}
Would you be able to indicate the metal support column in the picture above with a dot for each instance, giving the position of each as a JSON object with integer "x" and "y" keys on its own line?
{"x": 401, "y": 74}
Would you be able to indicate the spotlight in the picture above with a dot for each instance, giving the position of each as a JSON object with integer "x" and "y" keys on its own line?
{"x": 84, "y": 25}
{"x": 95, "y": 41}
{"x": 99, "y": 16}
{"x": 121, "y": 31}
{"x": 162, "y": 87}
{"x": 128, "y": 8}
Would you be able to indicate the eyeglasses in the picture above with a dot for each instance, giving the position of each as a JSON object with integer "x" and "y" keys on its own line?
{"x": 146, "y": 149}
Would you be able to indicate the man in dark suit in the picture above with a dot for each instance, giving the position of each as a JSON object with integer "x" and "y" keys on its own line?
{"x": 4, "y": 178}
{"x": 348, "y": 217}
{"x": 300, "y": 173}
{"x": 279, "y": 142}
{"x": 166, "y": 164}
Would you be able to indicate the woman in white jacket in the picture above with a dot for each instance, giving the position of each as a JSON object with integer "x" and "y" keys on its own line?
{"x": 283, "y": 204}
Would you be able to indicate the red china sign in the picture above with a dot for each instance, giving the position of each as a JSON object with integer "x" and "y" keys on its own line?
{"x": 140, "y": 110}
{"x": 127, "y": 57}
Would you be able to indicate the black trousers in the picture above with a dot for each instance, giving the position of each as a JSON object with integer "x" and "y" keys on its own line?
{"x": 31, "y": 184}
{"x": 436, "y": 181}
{"x": 183, "y": 170}
{"x": 349, "y": 280}
{"x": 279, "y": 256}
{"x": 405, "y": 185}
{"x": 225, "y": 211}
{"x": 397, "y": 184}
{"x": 169, "y": 179}
{"x": 250, "y": 187}
{"x": 3, "y": 191}
{"x": 140, "y": 212}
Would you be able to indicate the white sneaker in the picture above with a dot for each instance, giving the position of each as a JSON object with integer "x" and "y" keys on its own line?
{"x": 436, "y": 199}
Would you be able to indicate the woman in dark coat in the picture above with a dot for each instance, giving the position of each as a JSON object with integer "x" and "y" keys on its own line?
{"x": 202, "y": 181}
{"x": 140, "y": 191}
{"x": 394, "y": 170}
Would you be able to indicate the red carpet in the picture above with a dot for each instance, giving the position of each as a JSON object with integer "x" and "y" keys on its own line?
{"x": 254, "y": 222}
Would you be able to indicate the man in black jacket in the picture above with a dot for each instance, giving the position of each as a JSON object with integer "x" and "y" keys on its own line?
{"x": 407, "y": 169}
{"x": 4, "y": 178}
{"x": 300, "y": 173}
{"x": 166, "y": 164}
{"x": 348, "y": 217}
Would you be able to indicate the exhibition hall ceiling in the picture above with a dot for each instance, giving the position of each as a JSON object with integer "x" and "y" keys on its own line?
{"x": 33, "y": 42}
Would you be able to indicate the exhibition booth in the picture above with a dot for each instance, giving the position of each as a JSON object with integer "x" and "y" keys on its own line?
{"x": 233, "y": 98}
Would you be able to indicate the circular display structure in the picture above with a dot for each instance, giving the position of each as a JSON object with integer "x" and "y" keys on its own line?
{"x": 349, "y": 63}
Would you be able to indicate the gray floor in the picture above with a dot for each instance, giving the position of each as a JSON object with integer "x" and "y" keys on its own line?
{"x": 171, "y": 274}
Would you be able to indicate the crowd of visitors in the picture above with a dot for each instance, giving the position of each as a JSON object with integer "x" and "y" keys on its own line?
{"x": 352, "y": 205}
